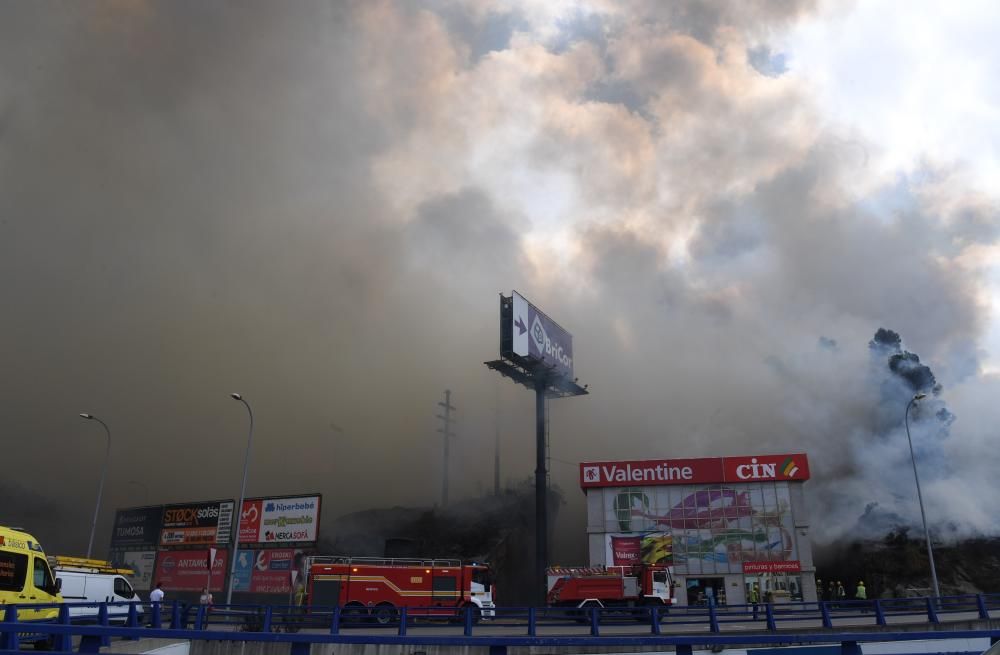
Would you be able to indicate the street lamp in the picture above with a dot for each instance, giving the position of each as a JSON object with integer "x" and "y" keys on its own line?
{"x": 100, "y": 489}
{"x": 920, "y": 499}
{"x": 239, "y": 507}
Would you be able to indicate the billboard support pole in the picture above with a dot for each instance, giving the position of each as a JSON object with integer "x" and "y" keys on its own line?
{"x": 537, "y": 353}
{"x": 541, "y": 492}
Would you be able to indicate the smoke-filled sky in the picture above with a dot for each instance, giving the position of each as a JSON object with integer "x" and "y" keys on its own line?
{"x": 317, "y": 204}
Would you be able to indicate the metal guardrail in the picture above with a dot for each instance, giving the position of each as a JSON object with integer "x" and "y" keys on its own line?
{"x": 681, "y": 627}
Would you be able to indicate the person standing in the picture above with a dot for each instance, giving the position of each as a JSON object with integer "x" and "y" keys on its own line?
{"x": 205, "y": 598}
{"x": 156, "y": 596}
{"x": 831, "y": 592}
{"x": 841, "y": 592}
{"x": 861, "y": 593}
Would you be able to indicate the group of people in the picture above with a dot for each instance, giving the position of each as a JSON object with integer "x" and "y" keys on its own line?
{"x": 834, "y": 591}
{"x": 157, "y": 594}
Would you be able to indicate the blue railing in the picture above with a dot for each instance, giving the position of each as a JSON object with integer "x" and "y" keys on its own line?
{"x": 682, "y": 626}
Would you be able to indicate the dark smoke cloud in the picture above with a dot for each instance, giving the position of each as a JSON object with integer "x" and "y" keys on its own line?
{"x": 316, "y": 204}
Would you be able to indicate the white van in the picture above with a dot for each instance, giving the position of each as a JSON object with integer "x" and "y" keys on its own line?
{"x": 95, "y": 581}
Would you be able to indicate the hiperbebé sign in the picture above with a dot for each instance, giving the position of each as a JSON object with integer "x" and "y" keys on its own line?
{"x": 706, "y": 470}
{"x": 280, "y": 520}
{"x": 538, "y": 337}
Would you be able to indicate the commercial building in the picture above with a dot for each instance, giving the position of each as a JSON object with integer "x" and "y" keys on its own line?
{"x": 726, "y": 524}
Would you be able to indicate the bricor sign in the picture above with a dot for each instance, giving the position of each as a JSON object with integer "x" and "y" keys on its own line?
{"x": 197, "y": 523}
{"x": 706, "y": 470}
{"x": 791, "y": 566}
{"x": 538, "y": 337}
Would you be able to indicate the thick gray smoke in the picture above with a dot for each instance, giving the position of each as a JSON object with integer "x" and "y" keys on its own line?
{"x": 316, "y": 204}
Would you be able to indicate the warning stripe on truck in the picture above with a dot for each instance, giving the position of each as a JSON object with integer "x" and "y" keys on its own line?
{"x": 388, "y": 583}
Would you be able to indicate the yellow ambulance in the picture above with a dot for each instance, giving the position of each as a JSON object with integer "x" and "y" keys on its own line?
{"x": 25, "y": 577}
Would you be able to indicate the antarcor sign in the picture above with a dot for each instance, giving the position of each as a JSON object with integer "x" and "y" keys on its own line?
{"x": 705, "y": 470}
{"x": 538, "y": 337}
{"x": 280, "y": 520}
{"x": 187, "y": 570}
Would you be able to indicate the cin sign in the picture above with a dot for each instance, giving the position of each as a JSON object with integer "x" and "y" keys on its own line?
{"x": 756, "y": 471}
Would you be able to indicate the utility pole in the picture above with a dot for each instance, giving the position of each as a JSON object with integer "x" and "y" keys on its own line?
{"x": 447, "y": 434}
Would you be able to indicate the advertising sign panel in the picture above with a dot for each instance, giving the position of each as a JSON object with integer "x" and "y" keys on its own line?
{"x": 630, "y": 549}
{"x": 250, "y": 521}
{"x": 142, "y": 562}
{"x": 793, "y": 566}
{"x": 280, "y": 520}
{"x": 137, "y": 526}
{"x": 187, "y": 570}
{"x": 265, "y": 571}
{"x": 197, "y": 523}
{"x": 708, "y": 470}
{"x": 538, "y": 337}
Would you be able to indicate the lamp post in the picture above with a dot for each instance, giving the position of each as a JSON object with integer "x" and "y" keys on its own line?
{"x": 920, "y": 499}
{"x": 239, "y": 507}
{"x": 100, "y": 489}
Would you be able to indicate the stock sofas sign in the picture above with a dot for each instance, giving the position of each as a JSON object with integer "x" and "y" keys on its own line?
{"x": 197, "y": 523}
{"x": 280, "y": 520}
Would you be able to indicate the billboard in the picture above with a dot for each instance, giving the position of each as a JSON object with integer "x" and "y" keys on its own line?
{"x": 265, "y": 571}
{"x": 280, "y": 520}
{"x": 187, "y": 570}
{"x": 197, "y": 523}
{"x": 706, "y": 470}
{"x": 137, "y": 527}
{"x": 631, "y": 549}
{"x": 142, "y": 562}
{"x": 706, "y": 529}
{"x": 536, "y": 336}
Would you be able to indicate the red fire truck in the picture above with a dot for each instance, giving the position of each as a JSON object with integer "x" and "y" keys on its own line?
{"x": 623, "y": 586}
{"x": 370, "y": 587}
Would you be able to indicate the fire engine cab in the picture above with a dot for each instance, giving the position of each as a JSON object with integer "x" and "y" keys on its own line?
{"x": 377, "y": 587}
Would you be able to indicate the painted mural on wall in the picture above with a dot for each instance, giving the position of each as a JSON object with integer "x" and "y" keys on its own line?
{"x": 704, "y": 528}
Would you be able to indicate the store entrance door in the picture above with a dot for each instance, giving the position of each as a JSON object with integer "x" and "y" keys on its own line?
{"x": 706, "y": 591}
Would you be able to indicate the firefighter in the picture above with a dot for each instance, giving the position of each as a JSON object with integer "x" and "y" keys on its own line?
{"x": 860, "y": 593}
{"x": 298, "y": 613}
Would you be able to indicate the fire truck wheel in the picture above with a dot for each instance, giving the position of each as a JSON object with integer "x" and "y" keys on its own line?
{"x": 384, "y": 614}
{"x": 354, "y": 615}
